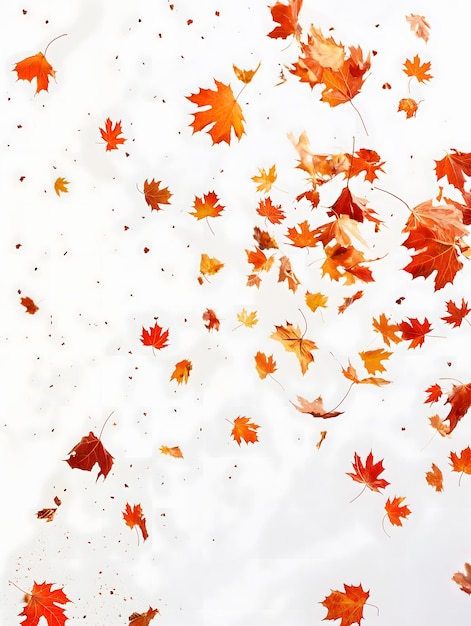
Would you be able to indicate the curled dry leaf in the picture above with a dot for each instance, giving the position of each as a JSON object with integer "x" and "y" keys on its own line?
{"x": 134, "y": 517}
{"x": 245, "y": 76}
{"x": 286, "y": 273}
{"x": 211, "y": 319}
{"x": 323, "y": 435}
{"x": 314, "y": 408}
{"x": 463, "y": 580}
{"x": 439, "y": 425}
{"x": 346, "y": 605}
{"x": 244, "y": 429}
{"x": 210, "y": 265}
{"x": 89, "y": 451}
{"x": 29, "y": 305}
{"x": 182, "y": 371}
{"x": 409, "y": 106}
{"x": 174, "y": 451}
{"x": 351, "y": 374}
{"x": 264, "y": 240}
{"x": 460, "y": 400}
{"x": 349, "y": 301}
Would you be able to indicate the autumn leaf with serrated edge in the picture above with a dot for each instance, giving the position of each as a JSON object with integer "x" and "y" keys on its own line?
{"x": 292, "y": 340}
{"x": 42, "y": 601}
{"x": 135, "y": 518}
{"x": 244, "y": 429}
{"x": 346, "y": 605}
{"x": 368, "y": 473}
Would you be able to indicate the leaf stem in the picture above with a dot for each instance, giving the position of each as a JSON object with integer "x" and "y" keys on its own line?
{"x": 394, "y": 196}
{"x": 103, "y": 427}
{"x": 384, "y": 529}
{"x": 361, "y": 119}
{"x": 209, "y": 225}
{"x": 55, "y": 39}
{"x": 357, "y": 496}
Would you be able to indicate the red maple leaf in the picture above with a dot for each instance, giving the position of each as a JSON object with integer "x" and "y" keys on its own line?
{"x": 134, "y": 517}
{"x": 368, "y": 473}
{"x": 395, "y": 511}
{"x": 454, "y": 167}
{"x": 460, "y": 399}
{"x": 143, "y": 619}
{"x": 352, "y": 206}
{"x": 110, "y": 134}
{"x": 155, "y": 337}
{"x": 456, "y": 315}
{"x": 346, "y": 605}
{"x": 44, "y": 602}
{"x": 287, "y": 18}
{"x": 415, "y": 331}
{"x": 271, "y": 211}
{"x": 434, "y": 393}
{"x": 89, "y": 451}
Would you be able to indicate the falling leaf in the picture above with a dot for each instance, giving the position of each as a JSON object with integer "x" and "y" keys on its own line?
{"x": 435, "y": 393}
{"x": 454, "y": 166}
{"x": 372, "y": 360}
{"x": 286, "y": 15}
{"x": 367, "y": 161}
{"x": 44, "y": 602}
{"x": 245, "y": 75}
{"x": 247, "y": 319}
{"x": 314, "y": 408}
{"x": 416, "y": 69}
{"x": 419, "y": 25}
{"x": 304, "y": 238}
{"x": 388, "y": 331}
{"x": 110, "y": 134}
{"x": 349, "y": 301}
{"x": 264, "y": 365}
{"x": 259, "y": 260}
{"x": 368, "y": 473}
{"x": 47, "y": 514}
{"x": 395, "y": 511}
{"x": 343, "y": 84}
{"x": 323, "y": 435}
{"x": 38, "y": 67}
{"x": 353, "y": 207}
{"x": 316, "y": 300}
{"x": 211, "y": 318}
{"x": 223, "y": 115}
{"x": 293, "y": 341}
{"x": 60, "y": 186}
{"x": 210, "y": 266}
{"x": 143, "y": 619}
{"x": 208, "y": 206}
{"x": 244, "y": 429}
{"x": 409, "y": 106}
{"x": 461, "y": 463}
{"x": 29, "y": 305}
{"x": 134, "y": 517}
{"x": 286, "y": 273}
{"x": 264, "y": 240}
{"x": 439, "y": 425}
{"x": 89, "y": 451}
{"x": 154, "y": 196}
{"x": 348, "y": 259}
{"x": 175, "y": 451}
{"x": 155, "y": 337}
{"x": 351, "y": 374}
{"x": 346, "y": 605}
{"x": 460, "y": 399}
{"x": 464, "y": 580}
{"x": 272, "y": 212}
{"x": 415, "y": 331}
{"x": 456, "y": 315}
{"x": 182, "y": 371}
{"x": 265, "y": 179}
{"x": 435, "y": 478}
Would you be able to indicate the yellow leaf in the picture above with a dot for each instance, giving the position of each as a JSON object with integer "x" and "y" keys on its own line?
{"x": 265, "y": 179}
{"x": 247, "y": 319}
{"x": 245, "y": 75}
{"x": 175, "y": 451}
{"x": 293, "y": 341}
{"x": 61, "y": 186}
{"x": 372, "y": 360}
{"x": 439, "y": 425}
{"x": 210, "y": 265}
{"x": 182, "y": 371}
{"x": 316, "y": 300}
{"x": 352, "y": 375}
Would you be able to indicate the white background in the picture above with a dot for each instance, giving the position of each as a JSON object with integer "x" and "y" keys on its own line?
{"x": 254, "y": 535}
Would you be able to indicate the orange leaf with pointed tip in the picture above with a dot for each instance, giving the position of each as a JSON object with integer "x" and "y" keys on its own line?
{"x": 367, "y": 161}
{"x": 210, "y": 265}
{"x": 434, "y": 393}
{"x": 211, "y": 318}
{"x": 182, "y": 371}
{"x": 456, "y": 315}
{"x": 435, "y": 478}
{"x": 454, "y": 166}
{"x": 346, "y": 605}
{"x": 245, "y": 75}
{"x": 110, "y": 134}
{"x": 314, "y": 408}
{"x": 259, "y": 260}
{"x": 461, "y": 463}
{"x": 207, "y": 206}
{"x": 415, "y": 331}
{"x": 372, "y": 360}
{"x": 348, "y": 259}
{"x": 351, "y": 374}
{"x": 143, "y": 619}
{"x": 265, "y": 179}
{"x": 305, "y": 238}
{"x": 60, "y": 185}
{"x": 272, "y": 212}
{"x": 155, "y": 337}
{"x": 175, "y": 451}
{"x": 264, "y": 240}
{"x": 388, "y": 331}
{"x": 29, "y": 305}
{"x": 155, "y": 196}
{"x": 353, "y": 207}
{"x": 439, "y": 425}
{"x": 464, "y": 580}
{"x": 293, "y": 341}
{"x": 395, "y": 511}
{"x": 368, "y": 473}
{"x": 349, "y": 301}
{"x": 416, "y": 69}
{"x": 460, "y": 399}
{"x": 244, "y": 429}
{"x": 409, "y": 106}
{"x": 134, "y": 517}
{"x": 316, "y": 300}
{"x": 89, "y": 451}
{"x": 286, "y": 273}
{"x": 264, "y": 365}
{"x": 38, "y": 67}
{"x": 44, "y": 602}
{"x": 344, "y": 84}
{"x": 223, "y": 115}
{"x": 286, "y": 15}
{"x": 419, "y": 25}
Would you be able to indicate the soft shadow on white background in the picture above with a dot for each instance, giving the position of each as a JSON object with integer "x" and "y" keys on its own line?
{"x": 254, "y": 535}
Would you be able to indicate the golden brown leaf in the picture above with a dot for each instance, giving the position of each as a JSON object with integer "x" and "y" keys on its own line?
{"x": 245, "y": 75}
{"x": 182, "y": 371}
{"x": 208, "y": 206}
{"x": 264, "y": 365}
{"x": 372, "y": 360}
{"x": 435, "y": 478}
{"x": 292, "y": 340}
{"x": 316, "y": 300}
{"x": 247, "y": 319}
{"x": 174, "y": 451}
{"x": 210, "y": 266}
{"x": 286, "y": 273}
{"x": 155, "y": 196}
{"x": 60, "y": 186}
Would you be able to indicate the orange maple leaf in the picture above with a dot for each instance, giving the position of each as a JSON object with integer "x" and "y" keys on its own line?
{"x": 388, "y": 331}
{"x": 415, "y": 331}
{"x": 461, "y": 463}
{"x": 182, "y": 371}
{"x": 155, "y": 196}
{"x": 346, "y": 605}
{"x": 435, "y": 478}
{"x": 463, "y": 580}
{"x": 210, "y": 265}
{"x": 419, "y": 25}
{"x": 351, "y": 374}
{"x": 38, "y": 67}
{"x": 89, "y": 451}
{"x": 245, "y": 75}
{"x": 223, "y": 115}
{"x": 305, "y": 238}
{"x": 368, "y": 473}
{"x": 212, "y": 320}
{"x": 265, "y": 179}
{"x": 344, "y": 84}
{"x": 439, "y": 425}
{"x": 409, "y": 106}
{"x": 208, "y": 206}
{"x": 259, "y": 260}
{"x": 174, "y": 451}
{"x": 416, "y": 69}
{"x": 367, "y": 161}
{"x": 264, "y": 365}
{"x": 460, "y": 399}
{"x": 143, "y": 619}
{"x": 44, "y": 602}
{"x": 293, "y": 341}
{"x": 348, "y": 259}
{"x": 134, "y": 517}
{"x": 29, "y": 305}
{"x": 271, "y": 211}
{"x": 395, "y": 511}
{"x": 456, "y": 315}
{"x": 314, "y": 408}
{"x": 454, "y": 166}
{"x": 287, "y": 18}
{"x": 372, "y": 360}
{"x": 155, "y": 337}
{"x": 244, "y": 429}
{"x": 110, "y": 134}
{"x": 60, "y": 185}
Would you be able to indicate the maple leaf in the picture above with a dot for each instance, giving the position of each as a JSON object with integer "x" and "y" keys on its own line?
{"x": 293, "y": 341}
{"x": 44, "y": 602}
{"x": 349, "y": 301}
{"x": 395, "y": 511}
{"x": 464, "y": 580}
{"x": 316, "y": 300}
{"x": 419, "y": 25}
{"x": 266, "y": 179}
{"x": 286, "y": 273}
{"x": 155, "y": 337}
{"x": 346, "y": 605}
{"x": 372, "y": 360}
{"x": 60, "y": 186}
{"x": 247, "y": 319}
{"x": 461, "y": 463}
{"x": 89, "y": 451}
{"x": 29, "y": 305}
{"x": 259, "y": 260}
{"x": 175, "y": 451}
{"x": 416, "y": 69}
{"x": 154, "y": 196}
{"x": 435, "y": 393}
{"x": 314, "y": 408}
{"x": 454, "y": 166}
{"x": 36, "y": 66}
{"x": 264, "y": 365}
{"x": 439, "y": 425}
{"x": 182, "y": 371}
{"x": 223, "y": 115}
{"x": 409, "y": 106}
{"x": 368, "y": 473}
{"x": 110, "y": 134}
{"x": 351, "y": 374}
{"x": 415, "y": 331}
{"x": 367, "y": 161}
{"x": 456, "y": 315}
{"x": 244, "y": 429}
{"x": 210, "y": 316}
{"x": 264, "y": 240}
{"x": 349, "y": 259}
{"x": 210, "y": 265}
{"x": 207, "y": 206}
{"x": 435, "y": 478}
{"x": 344, "y": 84}
{"x": 253, "y": 280}
{"x": 355, "y": 208}
{"x": 460, "y": 399}
{"x": 287, "y": 18}
{"x": 272, "y": 212}
{"x": 245, "y": 75}
{"x": 134, "y": 517}
{"x": 304, "y": 238}
{"x": 143, "y": 619}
